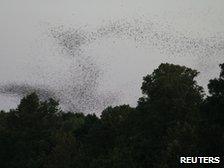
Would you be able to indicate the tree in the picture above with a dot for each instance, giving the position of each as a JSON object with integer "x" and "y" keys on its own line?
{"x": 114, "y": 118}
{"x": 171, "y": 100}
{"x": 172, "y": 119}
{"x": 64, "y": 152}
{"x": 213, "y": 117}
{"x": 29, "y": 130}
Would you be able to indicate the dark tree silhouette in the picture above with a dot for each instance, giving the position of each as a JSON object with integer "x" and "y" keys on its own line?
{"x": 213, "y": 117}
{"x": 172, "y": 119}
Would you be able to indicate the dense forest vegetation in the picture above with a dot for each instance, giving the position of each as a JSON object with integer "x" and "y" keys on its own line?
{"x": 173, "y": 118}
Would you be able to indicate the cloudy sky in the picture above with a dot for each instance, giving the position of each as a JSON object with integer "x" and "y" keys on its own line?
{"x": 89, "y": 54}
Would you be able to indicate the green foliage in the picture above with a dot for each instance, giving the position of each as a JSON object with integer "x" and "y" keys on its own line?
{"x": 63, "y": 153}
{"x": 213, "y": 116}
{"x": 171, "y": 102}
{"x": 172, "y": 119}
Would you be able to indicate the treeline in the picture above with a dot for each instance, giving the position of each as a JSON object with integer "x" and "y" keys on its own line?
{"x": 173, "y": 118}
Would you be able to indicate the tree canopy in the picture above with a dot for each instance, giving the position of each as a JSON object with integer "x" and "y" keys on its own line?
{"x": 173, "y": 118}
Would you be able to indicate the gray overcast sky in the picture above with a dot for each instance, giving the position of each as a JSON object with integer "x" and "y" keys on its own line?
{"x": 28, "y": 55}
